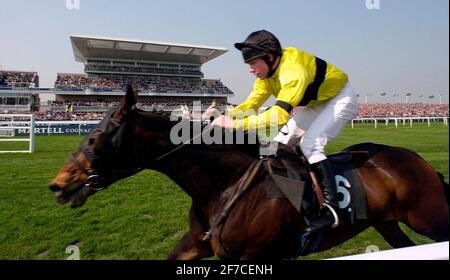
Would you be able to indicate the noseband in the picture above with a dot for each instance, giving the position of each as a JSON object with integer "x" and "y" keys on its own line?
{"x": 95, "y": 181}
{"x": 101, "y": 168}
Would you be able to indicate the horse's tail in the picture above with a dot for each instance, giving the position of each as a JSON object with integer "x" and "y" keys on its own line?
{"x": 445, "y": 186}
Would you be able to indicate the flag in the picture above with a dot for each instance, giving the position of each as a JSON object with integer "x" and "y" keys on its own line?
{"x": 431, "y": 96}
{"x": 383, "y": 94}
{"x": 409, "y": 94}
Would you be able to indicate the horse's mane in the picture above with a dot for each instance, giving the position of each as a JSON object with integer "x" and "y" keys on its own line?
{"x": 248, "y": 147}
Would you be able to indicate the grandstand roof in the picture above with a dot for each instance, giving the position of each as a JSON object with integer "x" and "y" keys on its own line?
{"x": 85, "y": 47}
{"x": 17, "y": 71}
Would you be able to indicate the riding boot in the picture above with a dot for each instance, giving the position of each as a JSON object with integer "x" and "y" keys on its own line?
{"x": 328, "y": 214}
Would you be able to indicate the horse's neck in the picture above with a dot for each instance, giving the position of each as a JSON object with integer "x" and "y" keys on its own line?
{"x": 199, "y": 170}
{"x": 203, "y": 173}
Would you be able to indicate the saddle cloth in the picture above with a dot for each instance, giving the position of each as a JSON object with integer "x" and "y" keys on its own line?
{"x": 293, "y": 183}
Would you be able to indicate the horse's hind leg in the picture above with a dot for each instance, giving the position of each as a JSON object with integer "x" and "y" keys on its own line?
{"x": 432, "y": 217}
{"x": 436, "y": 228}
{"x": 393, "y": 234}
{"x": 190, "y": 248}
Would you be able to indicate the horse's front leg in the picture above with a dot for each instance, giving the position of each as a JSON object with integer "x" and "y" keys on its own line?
{"x": 191, "y": 248}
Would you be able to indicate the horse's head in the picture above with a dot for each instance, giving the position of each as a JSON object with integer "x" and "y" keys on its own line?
{"x": 103, "y": 158}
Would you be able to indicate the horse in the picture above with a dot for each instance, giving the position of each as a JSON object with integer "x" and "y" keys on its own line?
{"x": 400, "y": 187}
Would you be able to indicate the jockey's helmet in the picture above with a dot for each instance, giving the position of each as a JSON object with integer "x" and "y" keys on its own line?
{"x": 259, "y": 44}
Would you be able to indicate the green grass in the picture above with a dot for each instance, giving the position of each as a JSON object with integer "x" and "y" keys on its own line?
{"x": 144, "y": 217}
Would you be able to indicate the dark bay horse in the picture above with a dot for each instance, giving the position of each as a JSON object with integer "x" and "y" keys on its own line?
{"x": 399, "y": 185}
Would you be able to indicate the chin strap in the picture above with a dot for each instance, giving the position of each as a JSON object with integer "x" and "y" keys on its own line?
{"x": 270, "y": 64}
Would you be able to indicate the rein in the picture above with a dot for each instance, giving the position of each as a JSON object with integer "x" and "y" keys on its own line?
{"x": 182, "y": 145}
{"x": 242, "y": 185}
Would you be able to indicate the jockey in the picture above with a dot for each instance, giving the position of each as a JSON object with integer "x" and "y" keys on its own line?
{"x": 297, "y": 78}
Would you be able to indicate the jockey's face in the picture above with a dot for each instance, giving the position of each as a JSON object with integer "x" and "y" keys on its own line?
{"x": 259, "y": 68}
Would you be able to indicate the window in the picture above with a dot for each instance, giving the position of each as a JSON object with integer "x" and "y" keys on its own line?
{"x": 123, "y": 63}
{"x": 190, "y": 67}
{"x": 102, "y": 62}
{"x": 10, "y": 101}
{"x": 24, "y": 101}
{"x": 144, "y": 64}
{"x": 169, "y": 66}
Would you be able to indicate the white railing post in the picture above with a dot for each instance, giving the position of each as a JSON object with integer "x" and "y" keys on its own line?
{"x": 13, "y": 124}
{"x": 399, "y": 121}
{"x": 32, "y": 132}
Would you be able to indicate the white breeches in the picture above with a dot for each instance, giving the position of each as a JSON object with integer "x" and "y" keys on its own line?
{"x": 317, "y": 126}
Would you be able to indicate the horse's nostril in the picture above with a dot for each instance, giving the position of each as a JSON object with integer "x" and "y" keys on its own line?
{"x": 55, "y": 188}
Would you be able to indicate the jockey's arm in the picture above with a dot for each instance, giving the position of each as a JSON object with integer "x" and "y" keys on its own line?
{"x": 293, "y": 86}
{"x": 254, "y": 101}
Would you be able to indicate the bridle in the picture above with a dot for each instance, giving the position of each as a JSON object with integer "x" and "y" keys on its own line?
{"x": 97, "y": 177}
{"x": 101, "y": 170}
{"x": 93, "y": 178}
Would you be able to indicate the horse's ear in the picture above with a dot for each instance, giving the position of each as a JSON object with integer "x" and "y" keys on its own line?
{"x": 127, "y": 103}
{"x": 130, "y": 98}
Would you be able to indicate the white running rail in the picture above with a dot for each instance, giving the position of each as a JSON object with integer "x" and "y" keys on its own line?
{"x": 13, "y": 121}
{"x": 435, "y": 251}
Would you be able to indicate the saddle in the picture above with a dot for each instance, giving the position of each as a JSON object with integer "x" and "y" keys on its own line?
{"x": 291, "y": 179}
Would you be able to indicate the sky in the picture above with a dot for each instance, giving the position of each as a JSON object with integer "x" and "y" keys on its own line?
{"x": 396, "y": 47}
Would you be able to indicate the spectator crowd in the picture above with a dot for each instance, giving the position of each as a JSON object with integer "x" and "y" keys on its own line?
{"x": 18, "y": 79}
{"x": 139, "y": 70}
{"x": 144, "y": 83}
{"x": 402, "y": 110}
{"x": 80, "y": 111}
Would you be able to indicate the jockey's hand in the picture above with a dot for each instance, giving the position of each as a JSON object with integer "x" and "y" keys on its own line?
{"x": 212, "y": 111}
{"x": 224, "y": 121}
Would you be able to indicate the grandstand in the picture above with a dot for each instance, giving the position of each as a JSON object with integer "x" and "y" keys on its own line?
{"x": 19, "y": 79}
{"x": 167, "y": 74}
{"x": 16, "y": 91}
{"x": 164, "y": 73}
